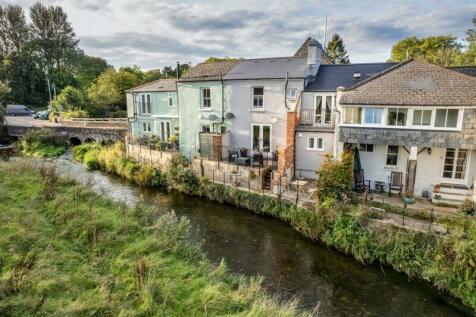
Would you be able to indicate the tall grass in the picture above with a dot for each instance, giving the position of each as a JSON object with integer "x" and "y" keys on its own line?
{"x": 449, "y": 263}
{"x": 75, "y": 253}
{"x": 42, "y": 143}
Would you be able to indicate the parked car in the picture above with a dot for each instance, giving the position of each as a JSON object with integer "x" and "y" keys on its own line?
{"x": 18, "y": 110}
{"x": 42, "y": 115}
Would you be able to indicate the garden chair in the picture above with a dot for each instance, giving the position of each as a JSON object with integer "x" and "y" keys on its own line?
{"x": 361, "y": 184}
{"x": 395, "y": 183}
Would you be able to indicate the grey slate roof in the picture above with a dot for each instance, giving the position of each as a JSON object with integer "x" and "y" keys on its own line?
{"x": 329, "y": 77}
{"x": 157, "y": 86}
{"x": 414, "y": 83}
{"x": 268, "y": 68}
{"x": 208, "y": 71}
{"x": 467, "y": 70}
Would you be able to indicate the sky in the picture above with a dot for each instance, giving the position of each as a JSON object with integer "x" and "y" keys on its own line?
{"x": 156, "y": 33}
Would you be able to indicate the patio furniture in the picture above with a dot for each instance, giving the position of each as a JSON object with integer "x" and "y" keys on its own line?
{"x": 395, "y": 183}
{"x": 245, "y": 161}
{"x": 232, "y": 156}
{"x": 257, "y": 159}
{"x": 244, "y": 152}
{"x": 361, "y": 184}
{"x": 379, "y": 187}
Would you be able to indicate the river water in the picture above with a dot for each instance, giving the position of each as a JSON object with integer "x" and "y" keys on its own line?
{"x": 291, "y": 265}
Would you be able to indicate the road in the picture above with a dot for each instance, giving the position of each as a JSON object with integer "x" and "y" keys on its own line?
{"x": 29, "y": 122}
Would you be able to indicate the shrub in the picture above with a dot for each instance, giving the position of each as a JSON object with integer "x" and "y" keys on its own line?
{"x": 335, "y": 179}
{"x": 75, "y": 113}
{"x": 468, "y": 208}
{"x": 42, "y": 143}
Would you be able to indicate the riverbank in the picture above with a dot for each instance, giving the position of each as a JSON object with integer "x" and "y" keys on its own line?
{"x": 446, "y": 262}
{"x": 71, "y": 252}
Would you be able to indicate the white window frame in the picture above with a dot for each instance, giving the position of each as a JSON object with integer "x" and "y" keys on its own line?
{"x": 202, "y": 99}
{"x": 292, "y": 93}
{"x": 458, "y": 119}
{"x": 353, "y": 108}
{"x": 147, "y": 124}
{"x": 261, "y": 125}
{"x": 323, "y": 109}
{"x": 387, "y": 113}
{"x": 466, "y": 173}
{"x": 165, "y": 122}
{"x": 386, "y": 156}
{"x": 253, "y": 98}
{"x": 382, "y": 118}
{"x": 170, "y": 100}
{"x": 432, "y": 117}
{"x": 315, "y": 143}
{"x": 146, "y": 108}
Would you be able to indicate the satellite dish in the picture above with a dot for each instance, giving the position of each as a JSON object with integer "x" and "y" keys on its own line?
{"x": 213, "y": 117}
{"x": 229, "y": 116}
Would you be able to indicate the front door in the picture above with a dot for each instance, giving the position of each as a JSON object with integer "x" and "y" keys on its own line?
{"x": 165, "y": 131}
{"x": 261, "y": 137}
{"x": 454, "y": 167}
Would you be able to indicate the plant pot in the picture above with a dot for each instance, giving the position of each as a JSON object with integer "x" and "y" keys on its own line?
{"x": 409, "y": 200}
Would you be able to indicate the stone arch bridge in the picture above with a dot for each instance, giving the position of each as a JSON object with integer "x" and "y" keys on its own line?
{"x": 76, "y": 131}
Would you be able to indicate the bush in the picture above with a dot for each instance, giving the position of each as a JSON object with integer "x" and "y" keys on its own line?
{"x": 468, "y": 208}
{"x": 335, "y": 179}
{"x": 75, "y": 113}
{"x": 42, "y": 143}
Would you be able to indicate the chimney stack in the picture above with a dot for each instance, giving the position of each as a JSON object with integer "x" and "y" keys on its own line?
{"x": 312, "y": 58}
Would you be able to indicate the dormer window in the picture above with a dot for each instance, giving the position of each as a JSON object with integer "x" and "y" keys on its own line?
{"x": 258, "y": 94}
{"x": 357, "y": 75}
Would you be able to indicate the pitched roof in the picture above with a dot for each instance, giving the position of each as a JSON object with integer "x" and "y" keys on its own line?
{"x": 414, "y": 83}
{"x": 209, "y": 71}
{"x": 268, "y": 68}
{"x": 303, "y": 51}
{"x": 157, "y": 85}
{"x": 467, "y": 70}
{"x": 331, "y": 76}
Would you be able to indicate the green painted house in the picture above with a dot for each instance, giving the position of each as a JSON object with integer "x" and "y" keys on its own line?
{"x": 152, "y": 110}
{"x": 203, "y": 104}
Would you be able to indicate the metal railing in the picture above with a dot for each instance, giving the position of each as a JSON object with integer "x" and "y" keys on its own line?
{"x": 308, "y": 117}
{"x": 240, "y": 156}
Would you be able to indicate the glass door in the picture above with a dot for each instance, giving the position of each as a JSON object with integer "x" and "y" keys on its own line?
{"x": 455, "y": 164}
{"x": 165, "y": 130}
{"x": 323, "y": 109}
{"x": 261, "y": 137}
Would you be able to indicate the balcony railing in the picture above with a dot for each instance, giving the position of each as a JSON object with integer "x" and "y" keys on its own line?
{"x": 308, "y": 118}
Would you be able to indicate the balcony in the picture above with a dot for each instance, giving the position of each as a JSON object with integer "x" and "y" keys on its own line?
{"x": 309, "y": 120}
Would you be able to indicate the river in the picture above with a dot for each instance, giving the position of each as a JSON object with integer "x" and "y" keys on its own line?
{"x": 290, "y": 264}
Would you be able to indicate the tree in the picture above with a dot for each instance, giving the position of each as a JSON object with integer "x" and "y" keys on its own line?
{"x": 170, "y": 72}
{"x": 335, "y": 179}
{"x": 336, "y": 50}
{"x": 441, "y": 50}
{"x": 4, "y": 91}
{"x": 70, "y": 99}
{"x": 469, "y": 56}
{"x": 14, "y": 30}
{"x": 54, "y": 43}
{"x": 152, "y": 75}
{"x": 108, "y": 94}
{"x": 88, "y": 68}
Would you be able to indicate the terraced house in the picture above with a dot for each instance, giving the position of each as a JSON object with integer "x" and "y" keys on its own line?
{"x": 152, "y": 110}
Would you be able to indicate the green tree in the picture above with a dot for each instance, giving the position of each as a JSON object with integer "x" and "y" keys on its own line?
{"x": 70, "y": 99}
{"x": 152, "y": 75}
{"x": 88, "y": 68}
{"x": 4, "y": 92}
{"x": 336, "y": 50}
{"x": 54, "y": 43}
{"x": 108, "y": 94}
{"x": 14, "y": 30}
{"x": 441, "y": 50}
{"x": 469, "y": 55}
{"x": 335, "y": 179}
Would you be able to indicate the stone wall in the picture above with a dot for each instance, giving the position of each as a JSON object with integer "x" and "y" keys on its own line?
{"x": 422, "y": 138}
{"x": 144, "y": 154}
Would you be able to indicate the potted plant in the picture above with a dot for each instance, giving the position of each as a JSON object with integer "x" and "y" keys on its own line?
{"x": 163, "y": 145}
{"x": 408, "y": 198}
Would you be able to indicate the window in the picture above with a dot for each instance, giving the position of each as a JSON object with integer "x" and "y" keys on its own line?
{"x": 422, "y": 117}
{"x": 292, "y": 93}
{"x": 258, "y": 97}
{"x": 222, "y": 129}
{"x": 366, "y": 147}
{"x": 323, "y": 111}
{"x": 353, "y": 115}
{"x": 397, "y": 117}
{"x": 165, "y": 131}
{"x": 373, "y": 115}
{"x": 315, "y": 144}
{"x": 455, "y": 163}
{"x": 146, "y": 127}
{"x": 392, "y": 155}
{"x": 206, "y": 99}
{"x": 446, "y": 118}
{"x": 171, "y": 100}
{"x": 145, "y": 104}
{"x": 206, "y": 128}
{"x": 261, "y": 137}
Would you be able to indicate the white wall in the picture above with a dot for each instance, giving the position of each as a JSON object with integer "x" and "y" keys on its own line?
{"x": 239, "y": 93}
{"x": 309, "y": 161}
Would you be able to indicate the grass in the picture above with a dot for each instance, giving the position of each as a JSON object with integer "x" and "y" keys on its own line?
{"x": 69, "y": 252}
{"x": 42, "y": 144}
{"x": 448, "y": 263}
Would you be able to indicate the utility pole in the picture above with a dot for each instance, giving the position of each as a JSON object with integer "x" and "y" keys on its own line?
{"x": 178, "y": 70}
{"x": 325, "y": 34}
